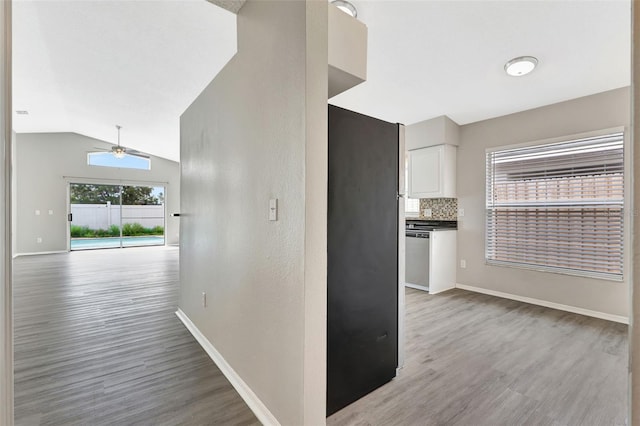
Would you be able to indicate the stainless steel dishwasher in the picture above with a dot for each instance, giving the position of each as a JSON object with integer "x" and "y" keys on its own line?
{"x": 417, "y": 257}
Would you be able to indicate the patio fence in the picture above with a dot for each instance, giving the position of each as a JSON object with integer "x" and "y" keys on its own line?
{"x": 102, "y": 216}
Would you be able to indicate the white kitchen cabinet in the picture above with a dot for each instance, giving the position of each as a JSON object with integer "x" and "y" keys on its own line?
{"x": 432, "y": 172}
{"x": 442, "y": 261}
{"x": 431, "y": 262}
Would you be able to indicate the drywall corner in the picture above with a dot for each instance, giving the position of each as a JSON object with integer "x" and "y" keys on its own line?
{"x": 451, "y": 132}
{"x": 256, "y": 133}
{"x": 315, "y": 244}
{"x": 347, "y": 51}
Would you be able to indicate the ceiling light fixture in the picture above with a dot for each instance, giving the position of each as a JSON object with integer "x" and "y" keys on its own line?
{"x": 523, "y": 65}
{"x": 118, "y": 151}
{"x": 346, "y": 7}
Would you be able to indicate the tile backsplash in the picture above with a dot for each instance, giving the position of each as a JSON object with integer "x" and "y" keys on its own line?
{"x": 441, "y": 208}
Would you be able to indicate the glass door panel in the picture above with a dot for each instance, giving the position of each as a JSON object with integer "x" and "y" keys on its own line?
{"x": 142, "y": 216}
{"x": 94, "y": 216}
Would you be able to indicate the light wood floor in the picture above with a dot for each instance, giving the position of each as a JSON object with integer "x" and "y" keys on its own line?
{"x": 97, "y": 342}
{"x": 474, "y": 359}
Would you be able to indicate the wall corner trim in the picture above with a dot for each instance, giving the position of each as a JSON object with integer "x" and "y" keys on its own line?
{"x": 255, "y": 404}
{"x": 553, "y": 305}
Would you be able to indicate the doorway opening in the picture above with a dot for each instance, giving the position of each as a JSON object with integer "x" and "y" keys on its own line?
{"x": 115, "y": 216}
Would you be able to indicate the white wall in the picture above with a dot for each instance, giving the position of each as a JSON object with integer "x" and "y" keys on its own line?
{"x": 47, "y": 162}
{"x": 634, "y": 333}
{"x": 6, "y": 327}
{"x": 591, "y": 113}
{"x": 257, "y": 132}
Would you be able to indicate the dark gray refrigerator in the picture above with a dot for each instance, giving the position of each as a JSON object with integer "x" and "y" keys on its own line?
{"x": 362, "y": 287}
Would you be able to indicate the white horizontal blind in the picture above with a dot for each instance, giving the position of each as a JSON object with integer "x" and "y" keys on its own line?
{"x": 558, "y": 206}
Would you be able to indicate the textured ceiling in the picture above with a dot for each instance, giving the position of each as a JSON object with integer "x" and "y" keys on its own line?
{"x": 432, "y": 58}
{"x": 85, "y": 66}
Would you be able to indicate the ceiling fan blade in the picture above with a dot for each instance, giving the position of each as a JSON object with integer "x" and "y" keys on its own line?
{"x": 137, "y": 154}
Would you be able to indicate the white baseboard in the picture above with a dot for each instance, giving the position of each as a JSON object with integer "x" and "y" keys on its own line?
{"x": 559, "y": 306}
{"x": 39, "y": 253}
{"x": 417, "y": 287}
{"x": 442, "y": 290}
{"x": 255, "y": 404}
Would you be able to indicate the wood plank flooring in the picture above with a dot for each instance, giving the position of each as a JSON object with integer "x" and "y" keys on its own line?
{"x": 97, "y": 342}
{"x": 474, "y": 359}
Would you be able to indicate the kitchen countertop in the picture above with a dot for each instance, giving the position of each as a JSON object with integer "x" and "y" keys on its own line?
{"x": 435, "y": 225}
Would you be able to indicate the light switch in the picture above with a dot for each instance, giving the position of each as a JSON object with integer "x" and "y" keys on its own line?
{"x": 37, "y": 212}
{"x": 273, "y": 209}
{"x": 427, "y": 213}
{"x": 50, "y": 212}
{"x": 461, "y": 212}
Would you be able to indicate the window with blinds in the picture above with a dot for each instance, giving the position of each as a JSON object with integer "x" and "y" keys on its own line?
{"x": 558, "y": 207}
{"x": 411, "y": 205}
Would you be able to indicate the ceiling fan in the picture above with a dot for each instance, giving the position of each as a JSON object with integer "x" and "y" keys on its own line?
{"x": 120, "y": 151}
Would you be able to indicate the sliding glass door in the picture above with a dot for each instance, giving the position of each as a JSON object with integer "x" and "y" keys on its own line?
{"x": 142, "y": 216}
{"x": 111, "y": 216}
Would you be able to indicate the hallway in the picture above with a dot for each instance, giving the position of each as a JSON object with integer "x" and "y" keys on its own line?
{"x": 97, "y": 342}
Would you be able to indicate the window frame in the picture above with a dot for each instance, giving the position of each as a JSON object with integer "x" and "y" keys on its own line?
{"x": 626, "y": 239}
{"x": 107, "y": 153}
{"x": 407, "y": 212}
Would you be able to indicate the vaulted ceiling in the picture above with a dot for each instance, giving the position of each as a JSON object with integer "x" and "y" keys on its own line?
{"x": 85, "y": 66}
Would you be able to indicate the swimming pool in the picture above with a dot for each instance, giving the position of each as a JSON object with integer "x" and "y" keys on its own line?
{"x": 96, "y": 243}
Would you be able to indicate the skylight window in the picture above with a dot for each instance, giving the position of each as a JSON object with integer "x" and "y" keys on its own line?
{"x": 106, "y": 159}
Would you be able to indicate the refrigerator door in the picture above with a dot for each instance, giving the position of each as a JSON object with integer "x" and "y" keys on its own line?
{"x": 362, "y": 287}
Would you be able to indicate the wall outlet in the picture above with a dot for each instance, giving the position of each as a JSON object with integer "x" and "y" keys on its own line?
{"x": 37, "y": 212}
{"x": 463, "y": 263}
{"x": 427, "y": 213}
{"x": 50, "y": 212}
{"x": 39, "y": 240}
{"x": 204, "y": 299}
{"x": 460, "y": 212}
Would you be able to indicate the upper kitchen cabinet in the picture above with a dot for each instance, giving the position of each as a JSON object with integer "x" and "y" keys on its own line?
{"x": 432, "y": 172}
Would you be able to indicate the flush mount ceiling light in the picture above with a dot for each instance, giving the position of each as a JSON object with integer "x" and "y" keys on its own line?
{"x": 346, "y": 7}
{"x": 523, "y": 65}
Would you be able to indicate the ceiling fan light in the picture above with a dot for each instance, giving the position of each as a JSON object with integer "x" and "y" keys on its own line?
{"x": 119, "y": 152}
{"x": 523, "y": 65}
